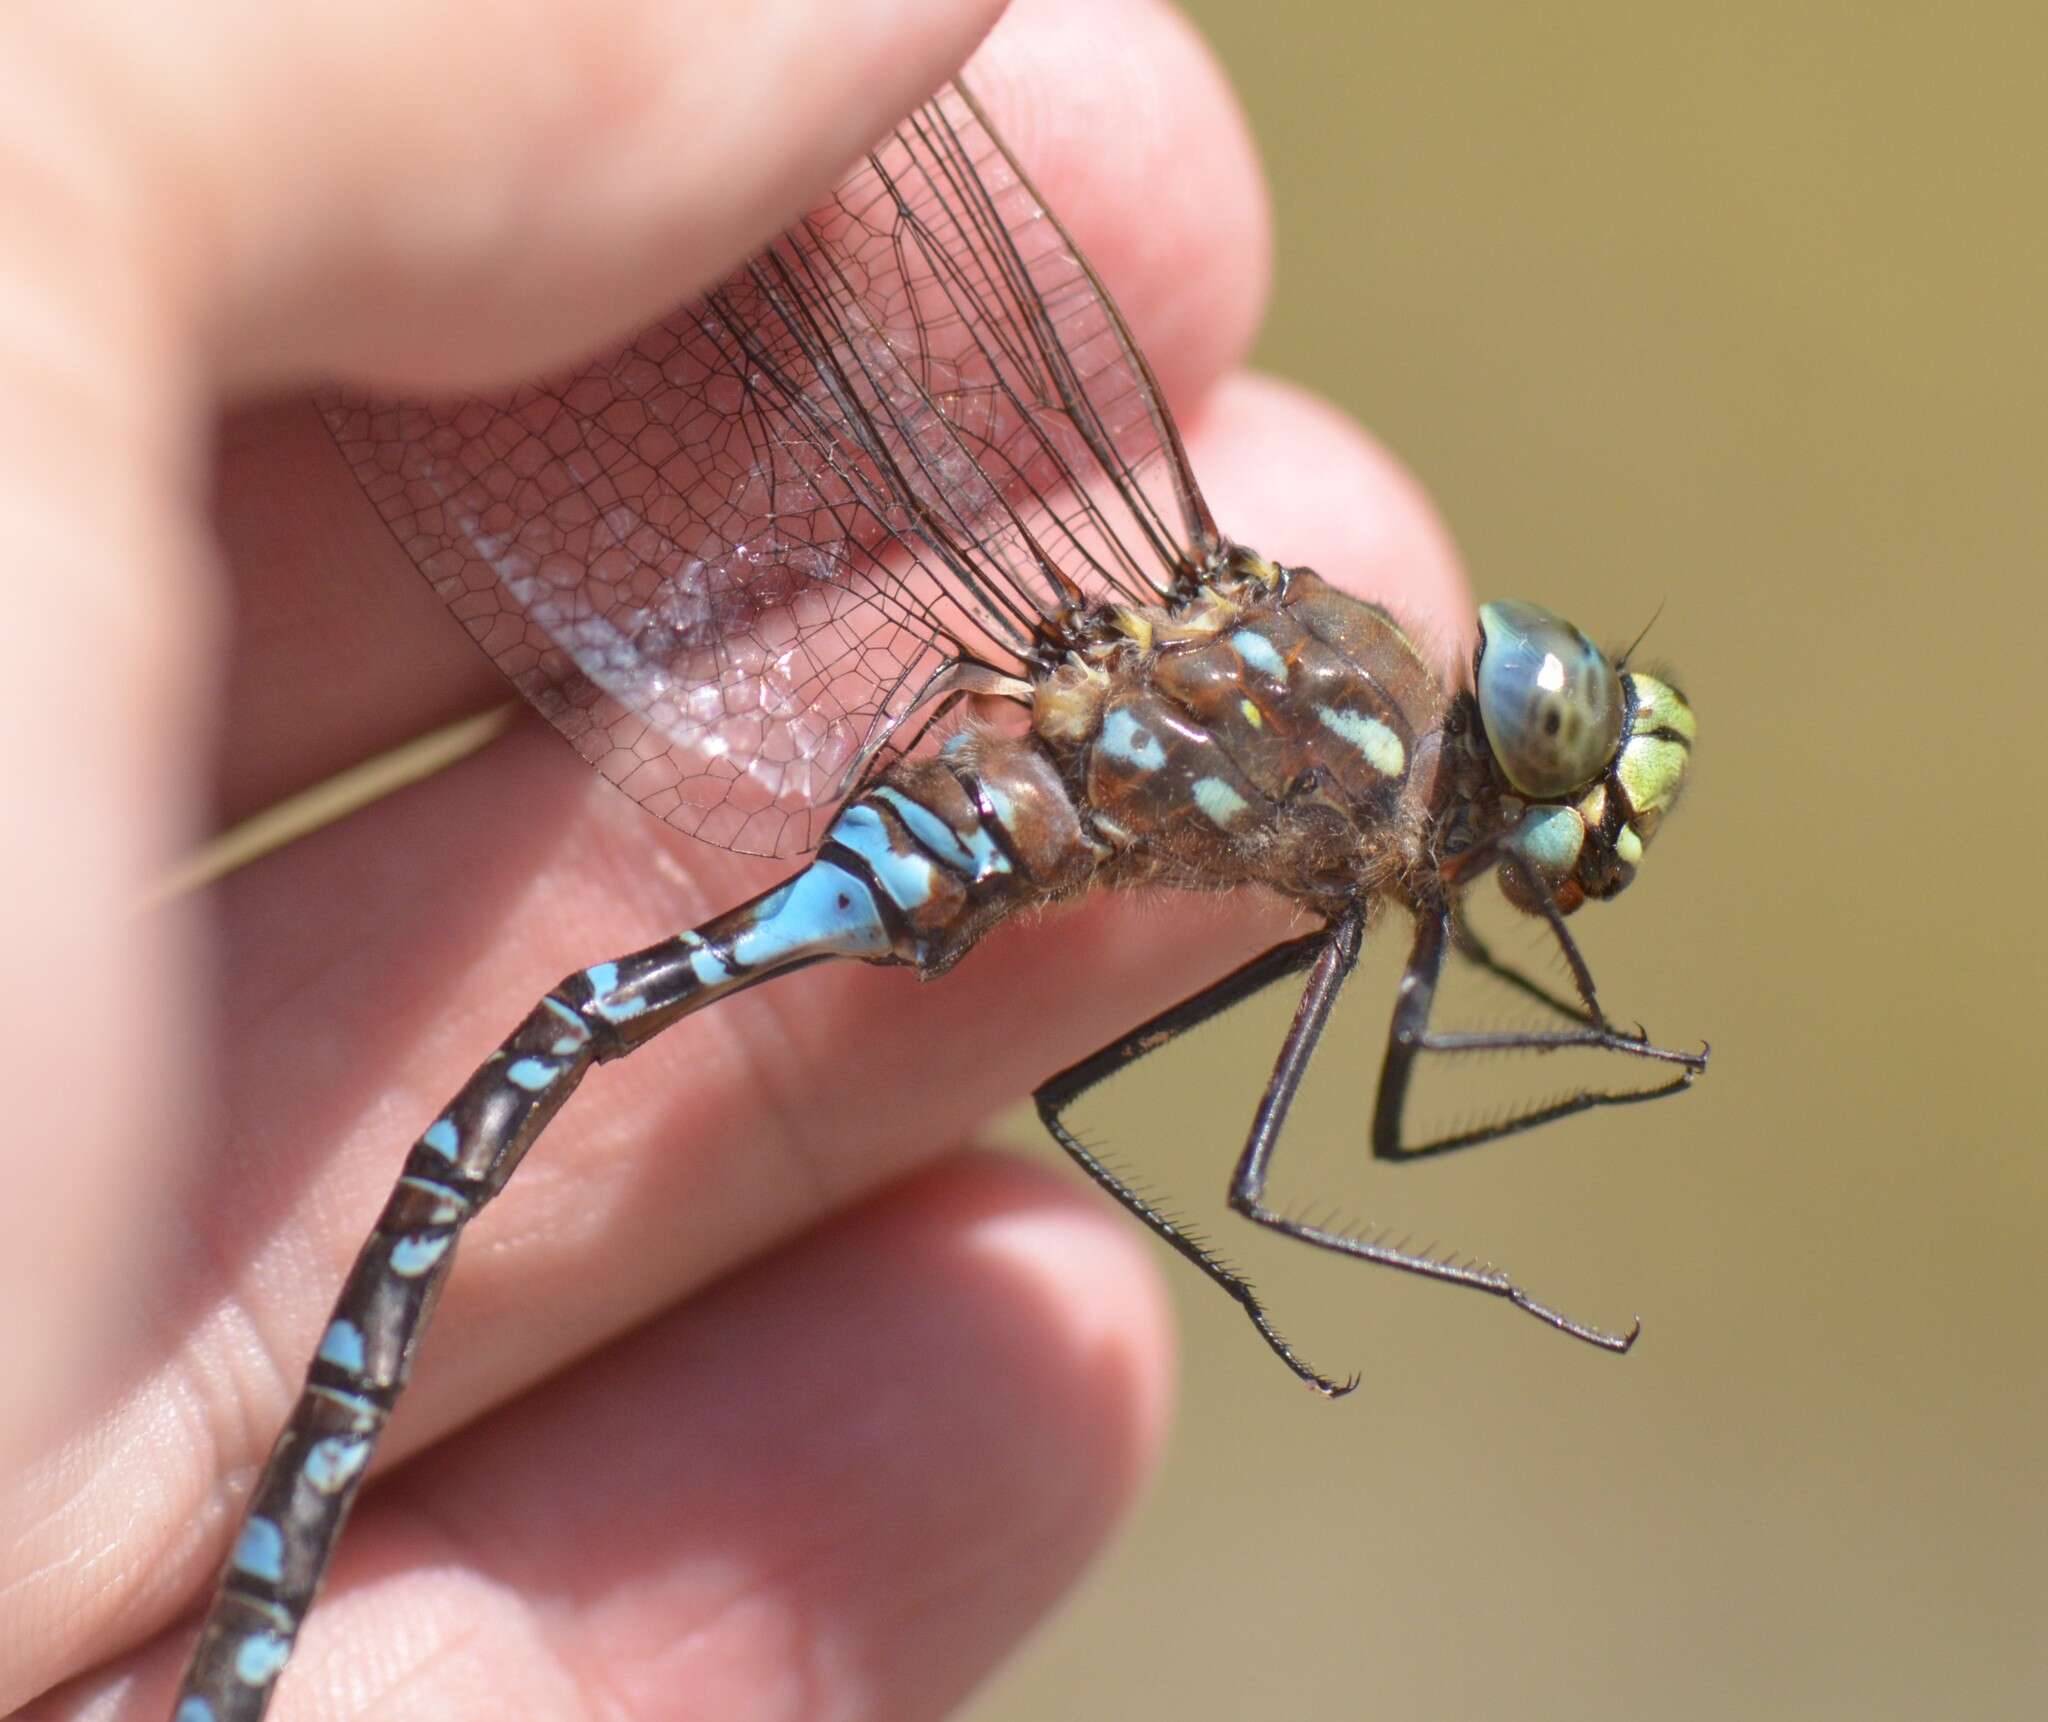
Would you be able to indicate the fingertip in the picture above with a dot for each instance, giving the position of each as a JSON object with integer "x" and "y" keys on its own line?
{"x": 504, "y": 222}
{"x": 444, "y": 195}
{"x": 1094, "y": 1307}
{"x": 880, "y": 1454}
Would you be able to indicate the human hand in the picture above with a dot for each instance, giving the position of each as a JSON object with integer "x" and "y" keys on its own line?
{"x": 844, "y": 1479}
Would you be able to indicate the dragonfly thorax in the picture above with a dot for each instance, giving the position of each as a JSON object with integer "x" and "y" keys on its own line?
{"x": 1270, "y": 729}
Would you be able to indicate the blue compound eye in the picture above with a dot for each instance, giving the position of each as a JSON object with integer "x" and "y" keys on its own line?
{"x": 1549, "y": 698}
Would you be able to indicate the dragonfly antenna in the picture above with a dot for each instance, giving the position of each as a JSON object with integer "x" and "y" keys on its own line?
{"x": 1655, "y": 614}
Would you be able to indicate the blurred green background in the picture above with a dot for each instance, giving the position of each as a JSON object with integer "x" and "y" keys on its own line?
{"x": 1737, "y": 310}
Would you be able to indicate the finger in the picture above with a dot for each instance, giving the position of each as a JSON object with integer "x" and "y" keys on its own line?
{"x": 572, "y": 170}
{"x": 340, "y": 651}
{"x": 865, "y": 1467}
{"x": 109, "y": 617}
{"x": 442, "y": 913}
{"x": 178, "y": 182}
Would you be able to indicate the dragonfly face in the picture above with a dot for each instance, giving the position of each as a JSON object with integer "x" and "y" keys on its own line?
{"x": 1596, "y": 754}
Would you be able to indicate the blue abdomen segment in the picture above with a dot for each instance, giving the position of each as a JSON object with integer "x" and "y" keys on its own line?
{"x": 825, "y": 911}
{"x": 910, "y": 875}
{"x": 952, "y": 843}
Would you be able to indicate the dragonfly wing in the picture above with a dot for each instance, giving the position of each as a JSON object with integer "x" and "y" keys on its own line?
{"x": 725, "y": 558}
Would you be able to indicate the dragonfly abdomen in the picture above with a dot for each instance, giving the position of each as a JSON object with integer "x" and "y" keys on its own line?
{"x": 954, "y": 843}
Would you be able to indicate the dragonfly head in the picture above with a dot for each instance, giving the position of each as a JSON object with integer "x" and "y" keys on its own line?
{"x": 1592, "y": 756}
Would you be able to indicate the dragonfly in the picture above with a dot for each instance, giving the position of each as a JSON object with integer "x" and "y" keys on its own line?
{"x": 887, "y": 553}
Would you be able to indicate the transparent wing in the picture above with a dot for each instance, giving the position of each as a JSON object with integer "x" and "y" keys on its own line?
{"x": 728, "y": 559}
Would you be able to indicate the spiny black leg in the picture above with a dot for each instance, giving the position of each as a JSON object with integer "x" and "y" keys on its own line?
{"x": 1408, "y": 1036}
{"x": 1477, "y": 952}
{"x": 1406, "y": 1033}
{"x": 1582, "y": 976}
{"x": 1060, "y": 1092}
{"x": 1418, "y": 988}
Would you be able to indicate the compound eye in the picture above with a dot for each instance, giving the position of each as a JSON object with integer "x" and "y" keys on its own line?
{"x": 1549, "y": 698}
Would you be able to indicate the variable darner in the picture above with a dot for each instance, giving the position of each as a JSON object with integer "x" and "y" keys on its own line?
{"x": 773, "y": 567}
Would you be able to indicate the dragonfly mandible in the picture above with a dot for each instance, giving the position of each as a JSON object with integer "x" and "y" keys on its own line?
{"x": 771, "y": 566}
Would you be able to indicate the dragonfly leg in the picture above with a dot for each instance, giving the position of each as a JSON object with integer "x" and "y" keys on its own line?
{"x": 1332, "y": 967}
{"x": 1055, "y": 1096}
{"x": 1468, "y": 944}
{"x": 1409, "y": 1036}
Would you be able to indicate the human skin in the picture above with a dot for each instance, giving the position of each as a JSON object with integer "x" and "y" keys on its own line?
{"x": 748, "y": 1398}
